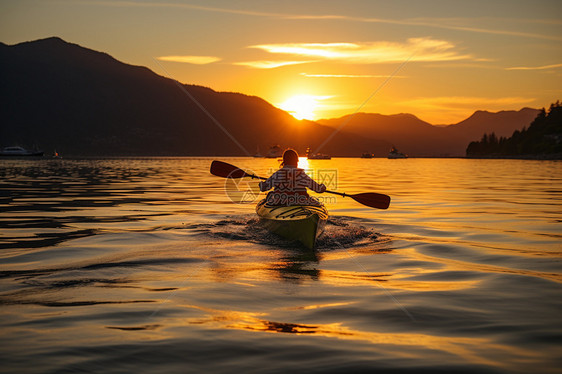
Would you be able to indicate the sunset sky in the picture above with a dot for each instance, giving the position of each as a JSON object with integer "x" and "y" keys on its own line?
{"x": 439, "y": 60}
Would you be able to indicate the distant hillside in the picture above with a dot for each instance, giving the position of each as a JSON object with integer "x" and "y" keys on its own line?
{"x": 418, "y": 138}
{"x": 59, "y": 95}
{"x": 503, "y": 123}
{"x": 407, "y": 132}
{"x": 542, "y": 139}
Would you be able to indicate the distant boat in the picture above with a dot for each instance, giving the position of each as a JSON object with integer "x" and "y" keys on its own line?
{"x": 367, "y": 155}
{"x": 56, "y": 154}
{"x": 274, "y": 152}
{"x": 317, "y": 156}
{"x": 258, "y": 154}
{"x": 19, "y": 152}
{"x": 395, "y": 153}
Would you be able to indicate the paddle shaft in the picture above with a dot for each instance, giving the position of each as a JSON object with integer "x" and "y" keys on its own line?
{"x": 332, "y": 192}
{"x": 343, "y": 194}
{"x": 255, "y": 177}
{"x": 371, "y": 199}
{"x": 337, "y": 193}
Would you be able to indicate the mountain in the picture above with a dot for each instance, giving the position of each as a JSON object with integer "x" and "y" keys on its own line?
{"x": 542, "y": 139}
{"x": 502, "y": 123}
{"x": 419, "y": 138}
{"x": 407, "y": 132}
{"x": 58, "y": 95}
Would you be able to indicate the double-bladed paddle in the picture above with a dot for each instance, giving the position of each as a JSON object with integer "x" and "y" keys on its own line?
{"x": 222, "y": 169}
{"x": 370, "y": 199}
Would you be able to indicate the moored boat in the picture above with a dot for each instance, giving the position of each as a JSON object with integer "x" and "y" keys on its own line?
{"x": 317, "y": 156}
{"x": 19, "y": 152}
{"x": 258, "y": 154}
{"x": 302, "y": 223}
{"x": 274, "y": 152}
{"x": 367, "y": 155}
{"x": 395, "y": 153}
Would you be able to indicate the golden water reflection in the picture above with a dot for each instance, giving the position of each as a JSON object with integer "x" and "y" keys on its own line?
{"x": 472, "y": 350}
{"x": 130, "y": 251}
{"x": 303, "y": 266}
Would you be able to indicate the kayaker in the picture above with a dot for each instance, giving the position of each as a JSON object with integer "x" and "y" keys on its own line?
{"x": 290, "y": 183}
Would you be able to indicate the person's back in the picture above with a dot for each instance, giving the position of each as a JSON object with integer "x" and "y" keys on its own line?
{"x": 290, "y": 183}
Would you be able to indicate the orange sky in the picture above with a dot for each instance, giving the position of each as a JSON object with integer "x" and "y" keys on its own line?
{"x": 440, "y": 60}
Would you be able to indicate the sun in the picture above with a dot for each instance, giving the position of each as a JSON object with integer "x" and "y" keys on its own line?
{"x": 301, "y": 106}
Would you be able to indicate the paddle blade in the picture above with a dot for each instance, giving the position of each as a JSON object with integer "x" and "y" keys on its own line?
{"x": 372, "y": 199}
{"x": 222, "y": 169}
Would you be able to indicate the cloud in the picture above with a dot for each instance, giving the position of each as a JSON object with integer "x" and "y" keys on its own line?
{"x": 198, "y": 60}
{"x": 461, "y": 65}
{"x": 266, "y": 64}
{"x": 349, "y": 76}
{"x": 416, "y": 49}
{"x": 535, "y": 67}
{"x": 442, "y": 23}
{"x": 455, "y": 102}
{"x": 452, "y": 109}
{"x": 148, "y": 4}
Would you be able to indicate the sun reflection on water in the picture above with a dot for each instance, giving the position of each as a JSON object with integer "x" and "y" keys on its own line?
{"x": 473, "y": 350}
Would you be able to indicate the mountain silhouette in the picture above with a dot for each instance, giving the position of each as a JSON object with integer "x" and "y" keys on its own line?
{"x": 405, "y": 131}
{"x": 419, "y": 138}
{"x": 59, "y": 95}
{"x": 503, "y": 123}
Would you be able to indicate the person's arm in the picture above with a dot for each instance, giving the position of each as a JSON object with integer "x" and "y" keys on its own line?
{"x": 267, "y": 184}
{"x": 311, "y": 183}
{"x": 320, "y": 188}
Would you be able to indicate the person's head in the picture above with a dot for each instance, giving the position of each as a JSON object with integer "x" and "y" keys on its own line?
{"x": 290, "y": 157}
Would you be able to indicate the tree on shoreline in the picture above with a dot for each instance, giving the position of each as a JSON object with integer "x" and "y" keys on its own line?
{"x": 543, "y": 137}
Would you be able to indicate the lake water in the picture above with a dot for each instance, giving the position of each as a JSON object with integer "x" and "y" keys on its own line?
{"x": 147, "y": 265}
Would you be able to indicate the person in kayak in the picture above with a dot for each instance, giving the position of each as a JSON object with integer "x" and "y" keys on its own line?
{"x": 290, "y": 183}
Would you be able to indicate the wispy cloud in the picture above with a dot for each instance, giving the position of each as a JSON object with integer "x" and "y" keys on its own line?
{"x": 452, "y": 109}
{"x": 349, "y": 76}
{"x": 452, "y": 102}
{"x": 440, "y": 24}
{"x": 198, "y": 60}
{"x": 149, "y": 4}
{"x": 457, "y": 65}
{"x": 266, "y": 64}
{"x": 545, "y": 67}
{"x": 421, "y": 22}
{"x": 422, "y": 49}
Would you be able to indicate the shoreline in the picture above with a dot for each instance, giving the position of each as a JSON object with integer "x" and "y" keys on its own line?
{"x": 554, "y": 156}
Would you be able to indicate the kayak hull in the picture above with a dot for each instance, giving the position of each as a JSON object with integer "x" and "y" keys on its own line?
{"x": 302, "y": 223}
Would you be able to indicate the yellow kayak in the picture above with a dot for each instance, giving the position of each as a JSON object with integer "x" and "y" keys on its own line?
{"x": 302, "y": 223}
